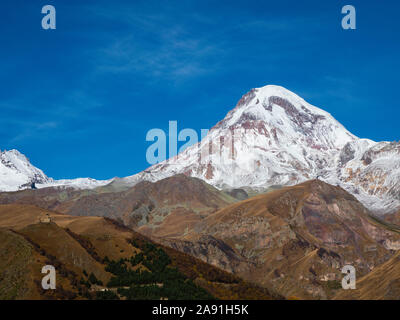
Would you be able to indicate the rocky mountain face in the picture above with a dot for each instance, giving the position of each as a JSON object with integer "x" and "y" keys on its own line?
{"x": 238, "y": 200}
{"x": 273, "y": 138}
{"x": 170, "y": 207}
{"x": 382, "y": 283}
{"x": 295, "y": 240}
{"x": 95, "y": 256}
{"x": 371, "y": 171}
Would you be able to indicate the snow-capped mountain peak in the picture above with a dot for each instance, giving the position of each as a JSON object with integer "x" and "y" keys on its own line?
{"x": 274, "y": 137}
{"x": 271, "y": 137}
{"x": 287, "y": 112}
{"x": 16, "y": 173}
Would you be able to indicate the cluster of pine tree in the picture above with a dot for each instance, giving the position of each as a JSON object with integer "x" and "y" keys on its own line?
{"x": 161, "y": 281}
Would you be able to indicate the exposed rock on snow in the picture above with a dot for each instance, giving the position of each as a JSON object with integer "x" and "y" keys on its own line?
{"x": 274, "y": 137}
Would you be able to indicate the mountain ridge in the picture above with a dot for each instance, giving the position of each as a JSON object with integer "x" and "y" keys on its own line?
{"x": 295, "y": 239}
{"x": 280, "y": 139}
{"x": 96, "y": 258}
{"x": 272, "y": 137}
{"x": 17, "y": 173}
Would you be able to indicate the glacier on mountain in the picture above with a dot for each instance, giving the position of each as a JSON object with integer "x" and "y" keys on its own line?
{"x": 272, "y": 137}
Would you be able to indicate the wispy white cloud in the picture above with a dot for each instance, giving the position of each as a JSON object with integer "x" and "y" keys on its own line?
{"x": 31, "y": 129}
{"x": 156, "y": 46}
{"x": 26, "y": 118}
{"x": 164, "y": 46}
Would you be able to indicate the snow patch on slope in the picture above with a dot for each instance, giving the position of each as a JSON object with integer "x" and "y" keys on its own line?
{"x": 79, "y": 183}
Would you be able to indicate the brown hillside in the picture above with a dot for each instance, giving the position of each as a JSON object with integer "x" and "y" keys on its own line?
{"x": 169, "y": 208}
{"x": 382, "y": 283}
{"x": 295, "y": 239}
{"x": 79, "y": 247}
{"x": 393, "y": 218}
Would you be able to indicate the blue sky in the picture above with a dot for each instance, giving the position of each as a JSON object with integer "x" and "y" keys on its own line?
{"x": 79, "y": 100}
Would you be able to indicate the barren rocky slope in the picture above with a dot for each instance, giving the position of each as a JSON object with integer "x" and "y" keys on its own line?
{"x": 169, "y": 207}
{"x": 382, "y": 283}
{"x": 292, "y": 239}
{"x": 92, "y": 254}
{"x": 295, "y": 239}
